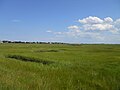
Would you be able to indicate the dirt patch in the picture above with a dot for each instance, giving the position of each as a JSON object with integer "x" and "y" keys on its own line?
{"x": 29, "y": 59}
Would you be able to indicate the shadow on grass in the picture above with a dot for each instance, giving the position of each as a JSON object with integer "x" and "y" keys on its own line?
{"x": 47, "y": 51}
{"x": 29, "y": 59}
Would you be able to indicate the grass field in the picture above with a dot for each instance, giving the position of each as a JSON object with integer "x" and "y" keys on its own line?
{"x": 59, "y": 67}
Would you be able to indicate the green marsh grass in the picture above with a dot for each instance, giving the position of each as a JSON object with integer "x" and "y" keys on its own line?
{"x": 76, "y": 67}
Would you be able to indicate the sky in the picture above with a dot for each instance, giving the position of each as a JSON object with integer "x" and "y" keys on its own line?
{"x": 70, "y": 21}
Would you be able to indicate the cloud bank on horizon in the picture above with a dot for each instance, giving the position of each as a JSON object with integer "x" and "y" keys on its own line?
{"x": 93, "y": 29}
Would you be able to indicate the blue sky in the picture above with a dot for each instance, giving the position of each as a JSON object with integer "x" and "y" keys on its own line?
{"x": 74, "y": 21}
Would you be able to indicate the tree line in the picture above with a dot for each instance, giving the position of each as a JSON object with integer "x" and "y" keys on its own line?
{"x": 26, "y": 42}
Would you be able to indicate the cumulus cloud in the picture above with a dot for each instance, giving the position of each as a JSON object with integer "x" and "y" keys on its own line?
{"x": 108, "y": 20}
{"x": 94, "y": 28}
{"x": 90, "y": 20}
{"x": 98, "y": 24}
{"x": 117, "y": 24}
{"x": 98, "y": 27}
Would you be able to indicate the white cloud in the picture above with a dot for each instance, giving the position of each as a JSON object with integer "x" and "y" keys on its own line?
{"x": 108, "y": 20}
{"x": 97, "y": 24}
{"x": 73, "y": 27}
{"x": 117, "y": 21}
{"x": 94, "y": 29}
{"x": 49, "y": 31}
{"x": 117, "y": 24}
{"x": 98, "y": 27}
{"x": 90, "y": 20}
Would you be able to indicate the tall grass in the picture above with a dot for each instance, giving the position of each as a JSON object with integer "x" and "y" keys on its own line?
{"x": 75, "y": 67}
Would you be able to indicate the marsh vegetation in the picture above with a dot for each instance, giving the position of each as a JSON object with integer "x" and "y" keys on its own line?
{"x": 59, "y": 67}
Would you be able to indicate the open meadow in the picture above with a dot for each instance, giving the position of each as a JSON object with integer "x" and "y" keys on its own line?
{"x": 59, "y": 67}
